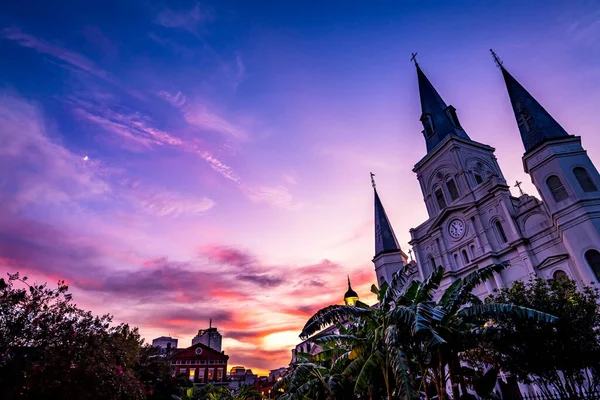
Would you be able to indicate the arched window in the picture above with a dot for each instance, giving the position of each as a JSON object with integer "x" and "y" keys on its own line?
{"x": 477, "y": 176}
{"x": 456, "y": 260}
{"x": 500, "y": 231}
{"x": 308, "y": 348}
{"x": 556, "y": 188}
{"x": 432, "y": 263}
{"x": 452, "y": 189}
{"x": 560, "y": 275}
{"x": 473, "y": 250}
{"x": 593, "y": 259}
{"x": 465, "y": 257}
{"x": 586, "y": 183}
{"x": 439, "y": 196}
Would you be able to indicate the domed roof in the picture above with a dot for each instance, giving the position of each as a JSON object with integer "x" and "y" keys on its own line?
{"x": 350, "y": 292}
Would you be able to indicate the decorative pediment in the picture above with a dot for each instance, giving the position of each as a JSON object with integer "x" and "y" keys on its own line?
{"x": 205, "y": 352}
{"x": 552, "y": 260}
{"x": 437, "y": 221}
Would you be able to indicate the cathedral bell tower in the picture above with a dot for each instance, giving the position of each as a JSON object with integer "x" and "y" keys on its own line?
{"x": 388, "y": 259}
{"x": 564, "y": 176}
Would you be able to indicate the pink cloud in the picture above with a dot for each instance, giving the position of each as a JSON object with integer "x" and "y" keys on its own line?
{"x": 275, "y": 195}
{"x": 222, "y": 168}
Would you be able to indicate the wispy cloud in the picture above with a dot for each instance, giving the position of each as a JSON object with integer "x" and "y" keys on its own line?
{"x": 275, "y": 195}
{"x": 131, "y": 126}
{"x": 187, "y": 19}
{"x": 222, "y": 168}
{"x": 198, "y": 115}
{"x": 70, "y": 57}
{"x": 165, "y": 203}
{"x": 53, "y": 174}
{"x": 177, "y": 100}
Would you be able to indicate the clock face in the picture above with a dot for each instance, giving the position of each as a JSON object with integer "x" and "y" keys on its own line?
{"x": 198, "y": 350}
{"x": 456, "y": 228}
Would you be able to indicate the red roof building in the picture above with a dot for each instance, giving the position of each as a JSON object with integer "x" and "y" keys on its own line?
{"x": 200, "y": 364}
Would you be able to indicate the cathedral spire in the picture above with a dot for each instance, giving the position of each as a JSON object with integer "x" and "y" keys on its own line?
{"x": 439, "y": 120}
{"x": 535, "y": 123}
{"x": 385, "y": 239}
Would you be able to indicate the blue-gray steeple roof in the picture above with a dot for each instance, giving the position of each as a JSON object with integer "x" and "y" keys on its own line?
{"x": 439, "y": 120}
{"x": 536, "y": 125}
{"x": 385, "y": 239}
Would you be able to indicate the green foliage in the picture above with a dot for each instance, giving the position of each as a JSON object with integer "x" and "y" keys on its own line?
{"x": 411, "y": 344}
{"x": 535, "y": 351}
{"x": 52, "y": 349}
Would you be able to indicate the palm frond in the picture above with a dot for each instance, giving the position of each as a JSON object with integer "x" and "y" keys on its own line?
{"x": 424, "y": 321}
{"x": 429, "y": 285}
{"x": 369, "y": 369}
{"x": 343, "y": 339}
{"x": 399, "y": 365}
{"x": 331, "y": 315}
{"x": 498, "y": 311}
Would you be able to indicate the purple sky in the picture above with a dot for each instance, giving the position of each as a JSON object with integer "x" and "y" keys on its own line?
{"x": 195, "y": 160}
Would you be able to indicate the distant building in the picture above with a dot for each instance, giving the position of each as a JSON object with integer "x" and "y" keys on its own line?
{"x": 209, "y": 337}
{"x": 240, "y": 376}
{"x": 276, "y": 374}
{"x": 166, "y": 343}
{"x": 200, "y": 364}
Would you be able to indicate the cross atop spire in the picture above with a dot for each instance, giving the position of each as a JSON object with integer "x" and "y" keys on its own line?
{"x": 439, "y": 120}
{"x": 414, "y": 59}
{"x": 536, "y": 125}
{"x": 518, "y": 185}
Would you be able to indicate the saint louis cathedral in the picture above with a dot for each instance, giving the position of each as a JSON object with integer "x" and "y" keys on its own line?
{"x": 474, "y": 221}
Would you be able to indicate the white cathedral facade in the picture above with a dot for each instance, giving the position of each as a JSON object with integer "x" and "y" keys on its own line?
{"x": 474, "y": 221}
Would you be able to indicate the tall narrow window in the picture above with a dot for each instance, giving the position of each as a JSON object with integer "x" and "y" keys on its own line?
{"x": 593, "y": 259}
{"x": 452, "y": 189}
{"x": 478, "y": 178}
{"x": 473, "y": 251}
{"x": 439, "y": 196}
{"x": 556, "y": 188}
{"x": 586, "y": 183}
{"x": 500, "y": 231}
{"x": 456, "y": 260}
{"x": 432, "y": 263}
{"x": 465, "y": 257}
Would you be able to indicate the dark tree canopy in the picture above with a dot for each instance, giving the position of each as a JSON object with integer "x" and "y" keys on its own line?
{"x": 535, "y": 352}
{"x": 51, "y": 349}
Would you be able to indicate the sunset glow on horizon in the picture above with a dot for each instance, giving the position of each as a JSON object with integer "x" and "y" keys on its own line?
{"x": 186, "y": 161}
